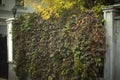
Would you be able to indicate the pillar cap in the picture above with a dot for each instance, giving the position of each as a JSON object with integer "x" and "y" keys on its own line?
{"x": 9, "y": 20}
{"x": 111, "y": 8}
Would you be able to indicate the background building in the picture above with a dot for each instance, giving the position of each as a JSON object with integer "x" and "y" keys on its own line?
{"x": 6, "y": 50}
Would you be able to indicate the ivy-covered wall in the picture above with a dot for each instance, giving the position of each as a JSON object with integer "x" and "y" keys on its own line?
{"x": 71, "y": 47}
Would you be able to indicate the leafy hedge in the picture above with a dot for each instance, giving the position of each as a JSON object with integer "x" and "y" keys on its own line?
{"x": 71, "y": 47}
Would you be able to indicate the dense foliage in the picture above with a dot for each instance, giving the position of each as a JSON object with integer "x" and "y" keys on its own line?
{"x": 70, "y": 47}
{"x": 64, "y": 40}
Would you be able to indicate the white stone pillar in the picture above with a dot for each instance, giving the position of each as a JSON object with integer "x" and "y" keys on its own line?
{"x": 9, "y": 39}
{"x": 11, "y": 72}
{"x": 109, "y": 14}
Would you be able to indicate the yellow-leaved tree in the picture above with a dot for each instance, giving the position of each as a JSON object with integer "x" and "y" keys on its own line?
{"x": 48, "y": 8}
{"x": 53, "y": 7}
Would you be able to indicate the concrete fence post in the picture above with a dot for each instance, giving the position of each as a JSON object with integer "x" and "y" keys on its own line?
{"x": 11, "y": 72}
{"x": 109, "y": 13}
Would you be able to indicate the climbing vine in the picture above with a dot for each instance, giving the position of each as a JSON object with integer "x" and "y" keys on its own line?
{"x": 64, "y": 40}
{"x": 68, "y": 47}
